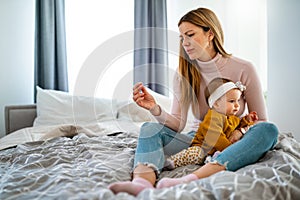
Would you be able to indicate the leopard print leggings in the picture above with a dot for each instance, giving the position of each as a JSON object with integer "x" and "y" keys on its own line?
{"x": 191, "y": 155}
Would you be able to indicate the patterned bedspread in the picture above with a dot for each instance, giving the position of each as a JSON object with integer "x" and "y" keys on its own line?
{"x": 82, "y": 166}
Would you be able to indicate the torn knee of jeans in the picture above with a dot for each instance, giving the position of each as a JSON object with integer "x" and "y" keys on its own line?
{"x": 150, "y": 165}
{"x": 215, "y": 162}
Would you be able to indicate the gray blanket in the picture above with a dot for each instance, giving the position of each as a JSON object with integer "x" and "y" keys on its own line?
{"x": 81, "y": 167}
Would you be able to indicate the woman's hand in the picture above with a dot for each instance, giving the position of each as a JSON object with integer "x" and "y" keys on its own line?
{"x": 235, "y": 136}
{"x": 142, "y": 97}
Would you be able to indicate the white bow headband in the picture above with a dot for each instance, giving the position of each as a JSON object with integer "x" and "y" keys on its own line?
{"x": 220, "y": 91}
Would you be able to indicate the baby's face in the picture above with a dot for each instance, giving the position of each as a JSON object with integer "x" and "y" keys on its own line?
{"x": 229, "y": 104}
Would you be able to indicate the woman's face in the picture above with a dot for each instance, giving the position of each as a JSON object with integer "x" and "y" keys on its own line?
{"x": 195, "y": 41}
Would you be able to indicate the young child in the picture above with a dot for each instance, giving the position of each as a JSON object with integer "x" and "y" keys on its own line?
{"x": 214, "y": 131}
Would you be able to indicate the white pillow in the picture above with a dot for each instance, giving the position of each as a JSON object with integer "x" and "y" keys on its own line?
{"x": 57, "y": 107}
{"x": 129, "y": 110}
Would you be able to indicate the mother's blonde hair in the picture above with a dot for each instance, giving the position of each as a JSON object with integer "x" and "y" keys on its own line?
{"x": 190, "y": 74}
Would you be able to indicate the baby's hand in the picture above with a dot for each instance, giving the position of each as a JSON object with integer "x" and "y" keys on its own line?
{"x": 235, "y": 136}
{"x": 252, "y": 116}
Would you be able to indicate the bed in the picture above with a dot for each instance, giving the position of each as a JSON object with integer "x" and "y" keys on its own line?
{"x": 73, "y": 147}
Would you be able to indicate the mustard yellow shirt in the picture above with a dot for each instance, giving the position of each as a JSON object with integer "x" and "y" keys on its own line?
{"x": 215, "y": 129}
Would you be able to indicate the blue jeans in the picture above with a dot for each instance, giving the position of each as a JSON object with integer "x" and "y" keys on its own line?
{"x": 156, "y": 141}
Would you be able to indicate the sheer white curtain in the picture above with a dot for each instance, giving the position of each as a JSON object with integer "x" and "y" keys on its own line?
{"x": 90, "y": 26}
{"x": 244, "y": 24}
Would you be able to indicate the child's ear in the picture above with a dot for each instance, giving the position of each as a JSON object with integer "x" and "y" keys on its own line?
{"x": 216, "y": 105}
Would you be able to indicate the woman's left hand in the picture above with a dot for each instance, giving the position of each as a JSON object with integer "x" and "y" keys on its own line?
{"x": 236, "y": 135}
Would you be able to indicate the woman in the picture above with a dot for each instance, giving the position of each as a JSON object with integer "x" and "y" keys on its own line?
{"x": 202, "y": 58}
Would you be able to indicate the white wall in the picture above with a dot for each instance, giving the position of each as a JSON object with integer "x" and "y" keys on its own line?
{"x": 284, "y": 70}
{"x": 16, "y": 54}
{"x": 238, "y": 20}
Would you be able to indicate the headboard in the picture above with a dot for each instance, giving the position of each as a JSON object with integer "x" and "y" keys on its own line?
{"x": 19, "y": 116}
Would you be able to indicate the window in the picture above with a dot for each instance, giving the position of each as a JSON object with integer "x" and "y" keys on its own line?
{"x": 89, "y": 25}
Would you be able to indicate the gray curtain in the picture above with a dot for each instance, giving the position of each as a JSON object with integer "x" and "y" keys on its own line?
{"x": 50, "y": 45}
{"x": 150, "y": 44}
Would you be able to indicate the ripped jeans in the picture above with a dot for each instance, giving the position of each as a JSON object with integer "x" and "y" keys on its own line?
{"x": 157, "y": 141}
